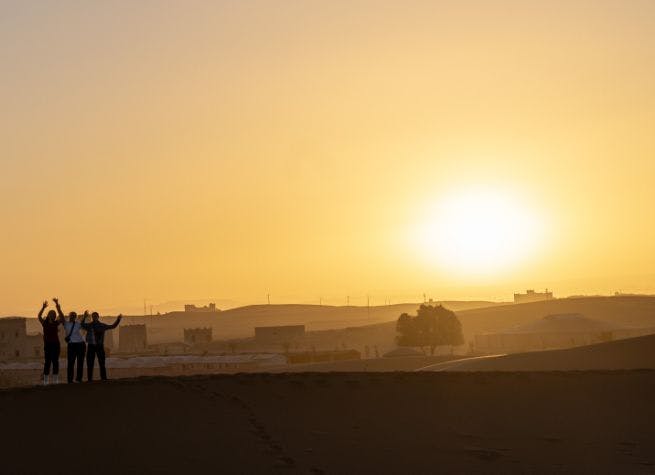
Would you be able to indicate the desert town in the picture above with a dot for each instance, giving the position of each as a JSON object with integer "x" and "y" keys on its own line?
{"x": 205, "y": 340}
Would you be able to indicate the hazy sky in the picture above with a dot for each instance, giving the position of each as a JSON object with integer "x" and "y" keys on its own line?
{"x": 171, "y": 150}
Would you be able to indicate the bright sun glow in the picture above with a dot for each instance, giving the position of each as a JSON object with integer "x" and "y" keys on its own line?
{"x": 478, "y": 231}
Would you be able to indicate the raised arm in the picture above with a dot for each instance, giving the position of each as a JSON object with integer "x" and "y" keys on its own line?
{"x": 40, "y": 315}
{"x": 83, "y": 323}
{"x": 118, "y": 320}
{"x": 59, "y": 312}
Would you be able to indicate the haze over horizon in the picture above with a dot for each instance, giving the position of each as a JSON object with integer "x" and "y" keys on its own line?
{"x": 324, "y": 149}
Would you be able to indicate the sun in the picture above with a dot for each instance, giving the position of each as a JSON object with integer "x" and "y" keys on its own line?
{"x": 478, "y": 231}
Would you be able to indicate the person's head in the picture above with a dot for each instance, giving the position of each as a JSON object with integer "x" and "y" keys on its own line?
{"x": 72, "y": 317}
{"x": 52, "y": 315}
{"x": 95, "y": 316}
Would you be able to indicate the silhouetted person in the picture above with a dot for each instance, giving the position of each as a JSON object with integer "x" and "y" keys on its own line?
{"x": 95, "y": 339}
{"x": 51, "y": 347}
{"x": 76, "y": 346}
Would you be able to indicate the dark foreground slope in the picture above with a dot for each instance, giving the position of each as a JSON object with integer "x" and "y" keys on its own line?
{"x": 593, "y": 422}
{"x": 631, "y": 353}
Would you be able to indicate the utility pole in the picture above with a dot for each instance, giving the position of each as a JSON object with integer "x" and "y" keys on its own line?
{"x": 347, "y": 299}
{"x": 268, "y": 297}
{"x": 144, "y": 308}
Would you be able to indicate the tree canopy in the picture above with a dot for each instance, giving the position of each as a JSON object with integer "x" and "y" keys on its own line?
{"x": 431, "y": 327}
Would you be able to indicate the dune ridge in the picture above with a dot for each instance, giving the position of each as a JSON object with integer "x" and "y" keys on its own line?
{"x": 627, "y": 354}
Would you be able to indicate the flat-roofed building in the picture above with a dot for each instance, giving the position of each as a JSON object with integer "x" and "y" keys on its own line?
{"x": 132, "y": 338}
{"x": 532, "y": 296}
{"x": 196, "y": 336}
{"x": 15, "y": 342}
{"x": 190, "y": 308}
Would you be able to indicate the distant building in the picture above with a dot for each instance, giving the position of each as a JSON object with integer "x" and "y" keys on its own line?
{"x": 15, "y": 342}
{"x": 109, "y": 340}
{"x": 532, "y": 296}
{"x": 132, "y": 339}
{"x": 279, "y": 334}
{"x": 193, "y": 336}
{"x": 211, "y": 308}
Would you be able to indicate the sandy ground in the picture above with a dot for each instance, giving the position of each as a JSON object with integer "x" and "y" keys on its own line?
{"x": 410, "y": 422}
{"x": 30, "y": 374}
{"x": 406, "y": 363}
{"x": 631, "y": 353}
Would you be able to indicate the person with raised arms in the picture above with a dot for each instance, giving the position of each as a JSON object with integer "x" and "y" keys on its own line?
{"x": 76, "y": 348}
{"x": 95, "y": 339}
{"x": 51, "y": 346}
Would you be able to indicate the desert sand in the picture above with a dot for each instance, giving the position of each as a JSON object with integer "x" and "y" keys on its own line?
{"x": 624, "y": 311}
{"x": 410, "y": 422}
{"x": 628, "y": 354}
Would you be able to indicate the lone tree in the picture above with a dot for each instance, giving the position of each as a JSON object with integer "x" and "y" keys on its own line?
{"x": 431, "y": 327}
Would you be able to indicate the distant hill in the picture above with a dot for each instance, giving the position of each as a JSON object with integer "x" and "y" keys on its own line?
{"x": 637, "y": 311}
{"x": 356, "y": 327}
{"x": 240, "y": 322}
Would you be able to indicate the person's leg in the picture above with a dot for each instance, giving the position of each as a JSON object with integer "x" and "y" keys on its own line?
{"x": 90, "y": 361}
{"x": 56, "y": 350}
{"x": 46, "y": 363}
{"x": 81, "y": 351}
{"x": 46, "y": 359}
{"x": 101, "y": 362}
{"x": 72, "y": 355}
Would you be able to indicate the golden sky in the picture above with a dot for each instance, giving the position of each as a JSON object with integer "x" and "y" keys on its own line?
{"x": 173, "y": 150}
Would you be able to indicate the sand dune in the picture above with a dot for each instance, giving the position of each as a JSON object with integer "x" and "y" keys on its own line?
{"x": 628, "y": 354}
{"x": 592, "y": 422}
{"x": 408, "y": 363}
{"x": 633, "y": 311}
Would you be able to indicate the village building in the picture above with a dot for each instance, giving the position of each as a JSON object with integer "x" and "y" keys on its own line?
{"x": 532, "y": 296}
{"x": 132, "y": 339}
{"x": 197, "y": 336}
{"x": 211, "y": 308}
{"x": 109, "y": 340}
{"x": 191, "y": 310}
{"x": 15, "y": 342}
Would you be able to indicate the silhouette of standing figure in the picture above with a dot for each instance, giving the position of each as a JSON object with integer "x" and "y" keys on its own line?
{"x": 76, "y": 347}
{"x": 95, "y": 339}
{"x": 51, "y": 347}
